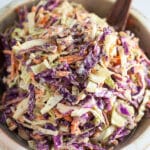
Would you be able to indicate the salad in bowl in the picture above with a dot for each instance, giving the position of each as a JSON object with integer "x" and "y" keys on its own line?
{"x": 71, "y": 81}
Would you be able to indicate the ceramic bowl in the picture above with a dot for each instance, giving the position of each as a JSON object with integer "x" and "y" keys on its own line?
{"x": 140, "y": 138}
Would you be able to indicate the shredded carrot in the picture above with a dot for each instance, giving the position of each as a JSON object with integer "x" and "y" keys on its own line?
{"x": 44, "y": 57}
{"x": 62, "y": 73}
{"x": 44, "y": 20}
{"x": 38, "y": 91}
{"x": 116, "y": 60}
{"x": 17, "y": 67}
{"x": 139, "y": 81}
{"x": 13, "y": 62}
{"x": 111, "y": 49}
{"x": 57, "y": 113}
{"x": 119, "y": 42}
{"x": 148, "y": 104}
{"x": 39, "y": 94}
{"x": 36, "y": 61}
{"x": 68, "y": 118}
{"x": 13, "y": 65}
{"x": 93, "y": 70}
{"x": 75, "y": 126}
{"x": 32, "y": 76}
{"x": 13, "y": 101}
{"x": 40, "y": 117}
{"x": 21, "y": 119}
{"x": 71, "y": 58}
{"x": 11, "y": 125}
{"x": 8, "y": 52}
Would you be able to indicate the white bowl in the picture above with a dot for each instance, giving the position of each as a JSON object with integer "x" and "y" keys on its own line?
{"x": 140, "y": 139}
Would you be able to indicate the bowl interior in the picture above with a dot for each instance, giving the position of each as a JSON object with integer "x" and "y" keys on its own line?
{"x": 136, "y": 23}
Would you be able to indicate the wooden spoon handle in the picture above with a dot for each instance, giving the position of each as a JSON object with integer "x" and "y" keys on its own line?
{"x": 119, "y": 14}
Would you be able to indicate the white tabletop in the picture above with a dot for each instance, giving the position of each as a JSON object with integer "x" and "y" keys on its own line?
{"x": 142, "y": 5}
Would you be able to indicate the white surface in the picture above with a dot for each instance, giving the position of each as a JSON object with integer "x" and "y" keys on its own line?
{"x": 142, "y": 5}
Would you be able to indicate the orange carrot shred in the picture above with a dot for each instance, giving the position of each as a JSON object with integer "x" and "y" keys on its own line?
{"x": 57, "y": 113}
{"x": 32, "y": 76}
{"x": 148, "y": 104}
{"x": 116, "y": 60}
{"x": 21, "y": 119}
{"x": 75, "y": 126}
{"x": 37, "y": 61}
{"x": 7, "y": 52}
{"x": 13, "y": 62}
{"x": 38, "y": 91}
{"x": 68, "y": 118}
{"x": 62, "y": 73}
{"x": 13, "y": 101}
{"x": 44, "y": 20}
{"x": 71, "y": 58}
{"x": 40, "y": 117}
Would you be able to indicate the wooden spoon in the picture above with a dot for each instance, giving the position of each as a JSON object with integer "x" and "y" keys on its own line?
{"x": 119, "y": 14}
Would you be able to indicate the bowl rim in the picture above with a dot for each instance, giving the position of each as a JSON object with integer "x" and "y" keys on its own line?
{"x": 141, "y": 17}
{"x": 5, "y": 138}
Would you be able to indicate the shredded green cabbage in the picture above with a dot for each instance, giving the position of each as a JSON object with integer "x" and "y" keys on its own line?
{"x": 51, "y": 103}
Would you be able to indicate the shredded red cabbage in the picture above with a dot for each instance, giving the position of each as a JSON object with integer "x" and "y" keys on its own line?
{"x": 31, "y": 101}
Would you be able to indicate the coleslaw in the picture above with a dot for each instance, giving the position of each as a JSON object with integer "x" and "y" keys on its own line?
{"x": 71, "y": 81}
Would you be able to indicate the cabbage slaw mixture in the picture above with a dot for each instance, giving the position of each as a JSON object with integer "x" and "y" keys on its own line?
{"x": 72, "y": 81}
